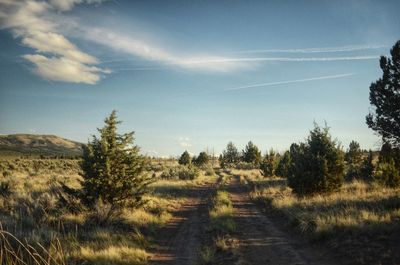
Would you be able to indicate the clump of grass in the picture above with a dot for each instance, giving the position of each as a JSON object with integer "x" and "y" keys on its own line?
{"x": 221, "y": 214}
{"x": 207, "y": 255}
{"x": 225, "y": 243}
{"x": 114, "y": 255}
{"x": 15, "y": 252}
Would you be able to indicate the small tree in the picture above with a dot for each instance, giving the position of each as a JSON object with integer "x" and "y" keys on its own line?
{"x": 384, "y": 96}
{"x": 230, "y": 156}
{"x": 113, "y": 169}
{"x": 353, "y": 158}
{"x": 251, "y": 154}
{"x": 354, "y": 153}
{"x": 282, "y": 170}
{"x": 184, "y": 159}
{"x": 269, "y": 163}
{"x": 201, "y": 160}
{"x": 367, "y": 167}
{"x": 317, "y": 165}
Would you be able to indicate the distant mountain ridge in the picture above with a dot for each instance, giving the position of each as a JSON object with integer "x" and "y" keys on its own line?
{"x": 34, "y": 144}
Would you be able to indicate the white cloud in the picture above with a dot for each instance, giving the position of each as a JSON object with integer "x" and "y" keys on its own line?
{"x": 291, "y": 81}
{"x": 184, "y": 142}
{"x": 64, "y": 69}
{"x": 56, "y": 57}
{"x": 151, "y": 52}
{"x": 65, "y": 5}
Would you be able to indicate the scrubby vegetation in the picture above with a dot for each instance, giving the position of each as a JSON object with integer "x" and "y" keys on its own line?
{"x": 360, "y": 221}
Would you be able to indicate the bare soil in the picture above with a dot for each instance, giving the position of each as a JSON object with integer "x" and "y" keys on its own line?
{"x": 179, "y": 242}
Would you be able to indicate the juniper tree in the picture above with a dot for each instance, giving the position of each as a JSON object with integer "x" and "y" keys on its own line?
{"x": 251, "y": 154}
{"x": 201, "y": 160}
{"x": 354, "y": 153}
{"x": 230, "y": 155}
{"x": 384, "y": 96}
{"x": 367, "y": 167}
{"x": 113, "y": 169}
{"x": 353, "y": 158}
{"x": 282, "y": 169}
{"x": 269, "y": 163}
{"x": 317, "y": 165}
{"x": 184, "y": 159}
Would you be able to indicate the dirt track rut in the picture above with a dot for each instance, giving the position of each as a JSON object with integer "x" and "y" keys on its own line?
{"x": 180, "y": 240}
{"x": 261, "y": 241}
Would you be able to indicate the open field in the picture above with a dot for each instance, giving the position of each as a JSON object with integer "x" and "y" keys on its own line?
{"x": 230, "y": 216}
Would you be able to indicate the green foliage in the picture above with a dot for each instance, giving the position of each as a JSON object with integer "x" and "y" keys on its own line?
{"x": 354, "y": 153}
{"x": 113, "y": 170}
{"x": 269, "y": 163}
{"x": 388, "y": 174}
{"x": 181, "y": 172}
{"x": 384, "y": 96}
{"x": 201, "y": 160}
{"x": 282, "y": 170}
{"x": 230, "y": 156}
{"x": 353, "y": 158}
{"x": 317, "y": 165}
{"x": 251, "y": 154}
{"x": 184, "y": 159}
{"x": 388, "y": 169}
{"x": 367, "y": 167}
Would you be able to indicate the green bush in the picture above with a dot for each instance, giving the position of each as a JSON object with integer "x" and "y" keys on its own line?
{"x": 388, "y": 174}
{"x": 181, "y": 172}
{"x": 317, "y": 165}
{"x": 188, "y": 173}
{"x": 269, "y": 164}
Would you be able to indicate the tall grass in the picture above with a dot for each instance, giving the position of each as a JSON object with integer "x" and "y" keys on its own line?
{"x": 15, "y": 252}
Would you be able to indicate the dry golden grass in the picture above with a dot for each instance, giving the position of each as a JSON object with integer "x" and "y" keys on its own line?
{"x": 30, "y": 212}
{"x": 362, "y": 220}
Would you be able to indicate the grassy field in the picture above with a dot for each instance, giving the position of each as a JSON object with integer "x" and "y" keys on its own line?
{"x": 360, "y": 222}
{"x": 39, "y": 229}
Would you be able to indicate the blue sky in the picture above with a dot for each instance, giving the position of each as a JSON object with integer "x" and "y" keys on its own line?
{"x": 193, "y": 74}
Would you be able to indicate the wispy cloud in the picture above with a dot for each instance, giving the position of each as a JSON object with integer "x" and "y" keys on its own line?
{"x": 56, "y": 58}
{"x": 153, "y": 52}
{"x": 291, "y": 81}
{"x": 288, "y": 59}
{"x": 349, "y": 48}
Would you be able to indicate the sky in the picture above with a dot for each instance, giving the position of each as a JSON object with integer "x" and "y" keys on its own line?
{"x": 193, "y": 75}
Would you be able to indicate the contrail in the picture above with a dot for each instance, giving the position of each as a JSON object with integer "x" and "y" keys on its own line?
{"x": 291, "y": 81}
{"x": 285, "y": 59}
{"x": 317, "y": 50}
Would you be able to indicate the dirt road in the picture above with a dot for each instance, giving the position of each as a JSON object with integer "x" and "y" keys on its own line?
{"x": 261, "y": 241}
{"x": 180, "y": 240}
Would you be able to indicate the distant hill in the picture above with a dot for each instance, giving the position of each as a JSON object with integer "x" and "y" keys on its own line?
{"x": 32, "y": 144}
